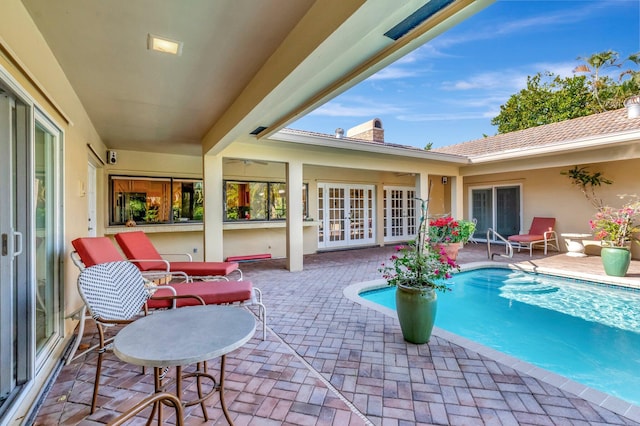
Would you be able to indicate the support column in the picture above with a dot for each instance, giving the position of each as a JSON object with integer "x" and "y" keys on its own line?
{"x": 213, "y": 193}
{"x": 422, "y": 185}
{"x": 295, "y": 237}
{"x": 457, "y": 197}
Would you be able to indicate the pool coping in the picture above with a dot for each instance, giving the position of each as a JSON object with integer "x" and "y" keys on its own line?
{"x": 602, "y": 399}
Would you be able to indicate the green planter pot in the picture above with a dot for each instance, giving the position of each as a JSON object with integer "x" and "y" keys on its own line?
{"x": 616, "y": 260}
{"x": 416, "y": 313}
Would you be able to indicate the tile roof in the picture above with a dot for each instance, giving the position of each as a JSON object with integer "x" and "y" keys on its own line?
{"x": 591, "y": 126}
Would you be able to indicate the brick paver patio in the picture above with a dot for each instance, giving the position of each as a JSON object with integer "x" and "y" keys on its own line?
{"x": 330, "y": 361}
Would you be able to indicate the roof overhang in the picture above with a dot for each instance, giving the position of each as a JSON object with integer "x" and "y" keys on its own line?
{"x": 289, "y": 136}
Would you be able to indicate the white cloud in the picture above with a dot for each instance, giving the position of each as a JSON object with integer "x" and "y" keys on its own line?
{"x": 505, "y": 27}
{"x": 357, "y": 107}
{"x": 508, "y": 80}
{"x": 393, "y": 73}
{"x": 444, "y": 116}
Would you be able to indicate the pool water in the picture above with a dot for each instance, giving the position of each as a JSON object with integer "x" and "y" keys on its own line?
{"x": 586, "y": 332}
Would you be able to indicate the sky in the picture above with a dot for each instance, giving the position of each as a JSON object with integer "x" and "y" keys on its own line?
{"x": 448, "y": 90}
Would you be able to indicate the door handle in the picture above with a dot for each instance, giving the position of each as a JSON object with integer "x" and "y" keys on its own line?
{"x": 5, "y": 244}
{"x": 18, "y": 239}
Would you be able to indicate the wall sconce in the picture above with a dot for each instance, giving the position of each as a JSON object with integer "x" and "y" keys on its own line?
{"x": 445, "y": 180}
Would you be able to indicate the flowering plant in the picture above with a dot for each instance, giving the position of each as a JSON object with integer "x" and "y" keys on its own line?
{"x": 419, "y": 264}
{"x": 616, "y": 227}
{"x": 448, "y": 230}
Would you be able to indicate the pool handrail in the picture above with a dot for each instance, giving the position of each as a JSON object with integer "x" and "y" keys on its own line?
{"x": 508, "y": 246}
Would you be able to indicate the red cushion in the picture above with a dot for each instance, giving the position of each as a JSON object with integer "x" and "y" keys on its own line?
{"x": 212, "y": 292}
{"x": 526, "y": 238}
{"x": 136, "y": 245}
{"x": 540, "y": 225}
{"x": 203, "y": 268}
{"x": 95, "y": 250}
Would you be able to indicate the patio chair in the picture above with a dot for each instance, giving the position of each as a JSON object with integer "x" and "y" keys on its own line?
{"x": 116, "y": 293}
{"x": 90, "y": 251}
{"x": 541, "y": 232}
{"x": 136, "y": 245}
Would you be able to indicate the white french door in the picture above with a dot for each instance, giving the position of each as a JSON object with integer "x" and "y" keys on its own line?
{"x": 346, "y": 213}
{"x": 400, "y": 215}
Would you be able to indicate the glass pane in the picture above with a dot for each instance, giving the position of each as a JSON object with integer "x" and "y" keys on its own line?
{"x": 258, "y": 200}
{"x": 278, "y": 201}
{"x": 143, "y": 201}
{"x": 187, "y": 201}
{"x": 508, "y": 210}
{"x": 45, "y": 213}
{"x": 482, "y": 210}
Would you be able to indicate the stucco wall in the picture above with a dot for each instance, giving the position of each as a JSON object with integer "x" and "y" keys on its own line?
{"x": 545, "y": 192}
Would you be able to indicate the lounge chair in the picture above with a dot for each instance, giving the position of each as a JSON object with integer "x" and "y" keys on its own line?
{"x": 136, "y": 245}
{"x": 90, "y": 251}
{"x": 541, "y": 232}
{"x": 115, "y": 293}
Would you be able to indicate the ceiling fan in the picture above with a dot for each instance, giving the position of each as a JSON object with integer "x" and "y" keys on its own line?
{"x": 246, "y": 162}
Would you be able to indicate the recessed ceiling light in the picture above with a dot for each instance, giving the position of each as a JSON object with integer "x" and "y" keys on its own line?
{"x": 164, "y": 45}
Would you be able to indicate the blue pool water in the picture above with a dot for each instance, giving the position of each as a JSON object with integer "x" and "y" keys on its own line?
{"x": 586, "y": 332}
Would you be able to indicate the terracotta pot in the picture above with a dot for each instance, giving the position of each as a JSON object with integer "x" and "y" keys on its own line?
{"x": 451, "y": 249}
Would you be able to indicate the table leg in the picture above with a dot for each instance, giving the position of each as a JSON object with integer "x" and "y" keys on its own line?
{"x": 157, "y": 382}
{"x": 199, "y": 386}
{"x": 221, "y": 390}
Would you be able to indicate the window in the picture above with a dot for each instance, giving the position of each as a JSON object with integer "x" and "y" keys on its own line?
{"x": 155, "y": 200}
{"x": 258, "y": 200}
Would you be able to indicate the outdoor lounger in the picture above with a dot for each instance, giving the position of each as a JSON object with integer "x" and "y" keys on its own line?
{"x": 136, "y": 245}
{"x": 541, "y": 232}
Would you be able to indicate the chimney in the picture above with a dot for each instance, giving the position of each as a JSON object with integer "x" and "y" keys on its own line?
{"x": 339, "y": 133}
{"x": 633, "y": 106}
{"x": 371, "y": 131}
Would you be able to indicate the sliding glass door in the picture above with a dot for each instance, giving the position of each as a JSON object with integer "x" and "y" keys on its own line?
{"x": 498, "y": 208}
{"x": 15, "y": 274}
{"x": 31, "y": 241}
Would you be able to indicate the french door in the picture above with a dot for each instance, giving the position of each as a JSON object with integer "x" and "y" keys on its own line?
{"x": 496, "y": 207}
{"x": 346, "y": 215}
{"x": 400, "y": 220}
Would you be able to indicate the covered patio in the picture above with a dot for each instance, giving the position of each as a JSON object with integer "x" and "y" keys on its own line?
{"x": 330, "y": 361}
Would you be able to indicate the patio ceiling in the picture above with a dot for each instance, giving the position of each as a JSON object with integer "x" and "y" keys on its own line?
{"x": 245, "y": 64}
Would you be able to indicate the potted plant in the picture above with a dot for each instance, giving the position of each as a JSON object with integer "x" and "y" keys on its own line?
{"x": 616, "y": 228}
{"x": 417, "y": 270}
{"x": 450, "y": 234}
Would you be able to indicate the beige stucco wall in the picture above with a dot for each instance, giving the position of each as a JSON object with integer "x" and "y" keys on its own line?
{"x": 254, "y": 237}
{"x": 545, "y": 192}
{"x": 27, "y": 50}
{"x": 25, "y": 56}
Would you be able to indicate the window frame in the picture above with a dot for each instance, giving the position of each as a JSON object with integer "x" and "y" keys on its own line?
{"x": 270, "y": 208}
{"x": 170, "y": 181}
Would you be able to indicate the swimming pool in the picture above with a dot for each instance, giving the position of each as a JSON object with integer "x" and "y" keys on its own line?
{"x": 586, "y": 332}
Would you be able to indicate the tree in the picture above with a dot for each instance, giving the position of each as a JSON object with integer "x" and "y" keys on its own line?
{"x": 587, "y": 182}
{"x": 609, "y": 93}
{"x": 548, "y": 98}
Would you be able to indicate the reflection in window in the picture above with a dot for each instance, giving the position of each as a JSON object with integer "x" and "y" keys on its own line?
{"x": 258, "y": 200}
{"x": 155, "y": 200}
